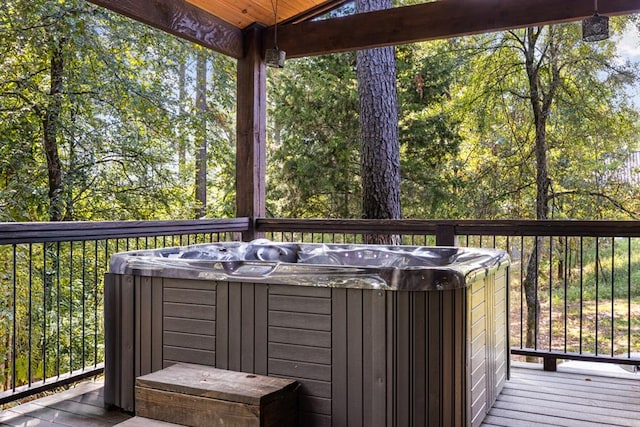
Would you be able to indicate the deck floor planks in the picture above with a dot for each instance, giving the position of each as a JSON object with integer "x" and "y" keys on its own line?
{"x": 573, "y": 400}
{"x": 618, "y": 385}
{"x": 533, "y": 397}
{"x": 81, "y": 405}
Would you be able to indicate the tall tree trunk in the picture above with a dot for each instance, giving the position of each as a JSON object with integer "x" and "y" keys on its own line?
{"x": 541, "y": 102}
{"x": 201, "y": 136}
{"x": 50, "y": 127}
{"x": 380, "y": 147}
{"x": 182, "y": 96}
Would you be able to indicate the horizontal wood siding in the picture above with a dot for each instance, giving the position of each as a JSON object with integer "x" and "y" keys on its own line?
{"x": 189, "y": 322}
{"x": 299, "y": 346}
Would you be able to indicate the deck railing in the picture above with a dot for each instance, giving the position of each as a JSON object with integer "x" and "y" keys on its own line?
{"x": 51, "y": 285}
{"x": 587, "y": 283}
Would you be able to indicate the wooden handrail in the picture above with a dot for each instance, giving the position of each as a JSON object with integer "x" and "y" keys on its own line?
{"x": 31, "y": 232}
{"x": 459, "y": 227}
{"x": 75, "y": 231}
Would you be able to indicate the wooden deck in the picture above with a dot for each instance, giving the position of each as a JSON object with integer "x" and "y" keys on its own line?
{"x": 532, "y": 397}
{"x": 570, "y": 397}
{"x": 81, "y": 405}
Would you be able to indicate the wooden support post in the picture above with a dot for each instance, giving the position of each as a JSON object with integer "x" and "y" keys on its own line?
{"x": 550, "y": 364}
{"x": 251, "y": 130}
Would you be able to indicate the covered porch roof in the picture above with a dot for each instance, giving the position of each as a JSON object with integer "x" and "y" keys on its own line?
{"x": 220, "y": 24}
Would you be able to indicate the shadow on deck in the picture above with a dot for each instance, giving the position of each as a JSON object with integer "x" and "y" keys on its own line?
{"x": 533, "y": 397}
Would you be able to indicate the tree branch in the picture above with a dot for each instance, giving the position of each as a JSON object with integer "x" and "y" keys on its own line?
{"x": 614, "y": 202}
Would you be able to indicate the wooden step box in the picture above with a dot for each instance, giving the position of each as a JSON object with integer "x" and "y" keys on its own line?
{"x": 196, "y": 395}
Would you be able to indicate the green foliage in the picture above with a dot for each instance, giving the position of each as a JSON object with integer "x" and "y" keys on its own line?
{"x": 314, "y": 153}
{"x": 314, "y": 161}
{"x": 124, "y": 134}
{"x": 428, "y": 133}
{"x": 591, "y": 127}
{"x": 117, "y": 135}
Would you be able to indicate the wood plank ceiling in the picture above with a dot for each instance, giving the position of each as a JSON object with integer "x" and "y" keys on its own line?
{"x": 243, "y": 13}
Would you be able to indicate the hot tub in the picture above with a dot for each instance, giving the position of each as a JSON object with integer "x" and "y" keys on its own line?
{"x": 376, "y": 335}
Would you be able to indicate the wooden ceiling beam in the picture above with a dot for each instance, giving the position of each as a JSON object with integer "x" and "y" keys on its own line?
{"x": 435, "y": 20}
{"x": 184, "y": 20}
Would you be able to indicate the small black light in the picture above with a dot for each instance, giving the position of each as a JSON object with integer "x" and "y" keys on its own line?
{"x": 596, "y": 27}
{"x": 275, "y": 57}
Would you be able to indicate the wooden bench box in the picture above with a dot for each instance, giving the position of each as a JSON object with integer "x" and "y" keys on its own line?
{"x": 196, "y": 395}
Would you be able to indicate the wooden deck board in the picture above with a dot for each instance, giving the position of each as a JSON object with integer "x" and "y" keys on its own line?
{"x": 531, "y": 398}
{"x": 534, "y": 397}
{"x": 81, "y": 405}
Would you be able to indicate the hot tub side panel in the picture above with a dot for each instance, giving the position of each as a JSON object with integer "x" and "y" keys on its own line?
{"x": 363, "y": 357}
{"x": 487, "y": 343}
{"x": 133, "y": 334}
{"x": 427, "y": 358}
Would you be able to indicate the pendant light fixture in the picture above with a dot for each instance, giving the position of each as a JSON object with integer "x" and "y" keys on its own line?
{"x": 275, "y": 57}
{"x": 596, "y": 27}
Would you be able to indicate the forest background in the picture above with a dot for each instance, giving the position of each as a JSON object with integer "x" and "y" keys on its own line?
{"x": 103, "y": 118}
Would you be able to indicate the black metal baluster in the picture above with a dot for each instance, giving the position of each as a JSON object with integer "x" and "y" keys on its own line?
{"x": 58, "y": 324}
{"x": 44, "y": 313}
{"x": 71, "y": 306}
{"x": 613, "y": 309}
{"x": 535, "y": 287}
{"x": 521, "y": 289}
{"x": 565, "y": 273}
{"x": 581, "y": 290}
{"x": 629, "y": 297}
{"x": 550, "y": 291}
{"x": 84, "y": 303}
{"x": 30, "y": 346}
{"x": 13, "y": 321}
{"x": 597, "y": 272}
{"x": 96, "y": 266}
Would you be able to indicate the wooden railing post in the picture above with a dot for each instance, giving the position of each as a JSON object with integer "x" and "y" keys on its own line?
{"x": 550, "y": 364}
{"x": 446, "y": 235}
